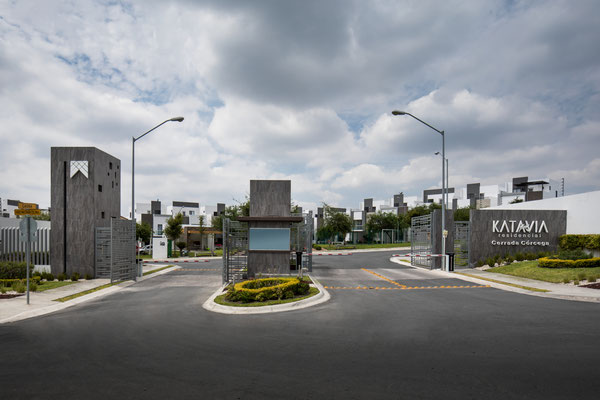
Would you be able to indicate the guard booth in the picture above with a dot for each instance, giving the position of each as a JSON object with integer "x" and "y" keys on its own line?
{"x": 270, "y": 241}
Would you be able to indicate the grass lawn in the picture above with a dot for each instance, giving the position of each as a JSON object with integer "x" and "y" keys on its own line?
{"x": 221, "y": 300}
{"x": 363, "y": 246}
{"x": 530, "y": 269}
{"x": 53, "y": 285}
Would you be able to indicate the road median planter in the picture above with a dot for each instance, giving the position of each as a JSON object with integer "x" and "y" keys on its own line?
{"x": 260, "y": 290}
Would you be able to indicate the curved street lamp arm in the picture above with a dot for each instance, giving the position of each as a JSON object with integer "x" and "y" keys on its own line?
{"x": 176, "y": 119}
{"x": 420, "y": 120}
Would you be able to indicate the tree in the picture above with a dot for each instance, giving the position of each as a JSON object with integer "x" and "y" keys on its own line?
{"x": 380, "y": 220}
{"x": 335, "y": 223}
{"x": 143, "y": 231}
{"x": 231, "y": 212}
{"x": 462, "y": 214}
{"x": 173, "y": 229}
{"x": 181, "y": 245}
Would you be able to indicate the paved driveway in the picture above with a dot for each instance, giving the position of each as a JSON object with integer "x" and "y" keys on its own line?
{"x": 153, "y": 340}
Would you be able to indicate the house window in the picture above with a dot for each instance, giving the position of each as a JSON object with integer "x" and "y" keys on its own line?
{"x": 99, "y": 188}
{"x": 113, "y": 184}
{"x": 110, "y": 165}
{"x": 102, "y": 214}
{"x": 191, "y": 212}
{"x": 159, "y": 231}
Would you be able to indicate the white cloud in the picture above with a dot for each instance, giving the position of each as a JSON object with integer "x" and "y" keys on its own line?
{"x": 301, "y": 91}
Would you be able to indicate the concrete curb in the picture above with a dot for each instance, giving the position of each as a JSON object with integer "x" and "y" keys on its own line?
{"x": 82, "y": 299}
{"x": 505, "y": 287}
{"x": 322, "y": 297}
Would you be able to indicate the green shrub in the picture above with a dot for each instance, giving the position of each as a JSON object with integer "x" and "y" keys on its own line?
{"x": 566, "y": 280}
{"x": 19, "y": 287}
{"x": 14, "y": 270}
{"x": 547, "y": 262}
{"x": 581, "y": 276}
{"x": 574, "y": 242}
{"x": 317, "y": 247}
{"x": 576, "y": 282}
{"x": 61, "y": 277}
{"x": 88, "y": 277}
{"x": 48, "y": 276}
{"x": 75, "y": 276}
{"x": 519, "y": 257}
{"x": 33, "y": 287}
{"x": 592, "y": 278}
{"x": 36, "y": 273}
{"x": 577, "y": 254}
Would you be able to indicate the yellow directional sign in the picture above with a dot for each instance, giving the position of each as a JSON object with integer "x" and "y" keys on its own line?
{"x": 28, "y": 212}
{"x": 27, "y": 206}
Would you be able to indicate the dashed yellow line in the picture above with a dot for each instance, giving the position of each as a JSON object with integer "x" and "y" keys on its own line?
{"x": 384, "y": 278}
{"x": 404, "y": 288}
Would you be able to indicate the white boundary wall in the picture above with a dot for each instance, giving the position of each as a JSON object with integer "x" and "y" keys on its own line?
{"x": 583, "y": 210}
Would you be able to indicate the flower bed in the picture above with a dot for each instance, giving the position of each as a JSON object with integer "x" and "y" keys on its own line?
{"x": 266, "y": 289}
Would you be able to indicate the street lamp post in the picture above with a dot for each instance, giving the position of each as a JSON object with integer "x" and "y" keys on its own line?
{"x": 447, "y": 182}
{"x": 395, "y": 112}
{"x": 133, "y": 140}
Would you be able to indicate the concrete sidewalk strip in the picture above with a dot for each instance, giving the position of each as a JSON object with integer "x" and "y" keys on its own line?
{"x": 322, "y": 297}
{"x": 42, "y": 303}
{"x": 503, "y": 282}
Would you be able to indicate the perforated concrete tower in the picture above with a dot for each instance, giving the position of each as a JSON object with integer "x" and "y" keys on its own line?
{"x": 85, "y": 194}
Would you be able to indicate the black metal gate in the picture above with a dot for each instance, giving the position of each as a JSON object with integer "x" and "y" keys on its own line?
{"x": 114, "y": 251}
{"x": 421, "y": 241}
{"x": 462, "y": 231}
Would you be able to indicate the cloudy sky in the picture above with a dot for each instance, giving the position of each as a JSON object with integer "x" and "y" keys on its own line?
{"x": 301, "y": 90}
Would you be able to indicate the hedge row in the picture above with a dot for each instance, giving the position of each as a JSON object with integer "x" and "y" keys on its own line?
{"x": 266, "y": 289}
{"x": 557, "y": 263}
{"x": 573, "y": 242}
{"x": 14, "y": 270}
{"x": 9, "y": 282}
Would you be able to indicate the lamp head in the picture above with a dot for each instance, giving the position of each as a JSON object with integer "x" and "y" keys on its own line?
{"x": 396, "y": 112}
{"x": 176, "y": 119}
{"x": 437, "y": 153}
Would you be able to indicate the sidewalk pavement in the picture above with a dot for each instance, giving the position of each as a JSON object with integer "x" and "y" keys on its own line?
{"x": 41, "y": 303}
{"x": 554, "y": 290}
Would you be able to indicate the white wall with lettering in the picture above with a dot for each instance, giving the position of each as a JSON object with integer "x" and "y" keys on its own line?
{"x": 583, "y": 210}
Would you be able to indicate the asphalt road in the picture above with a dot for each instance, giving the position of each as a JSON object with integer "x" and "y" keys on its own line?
{"x": 419, "y": 338}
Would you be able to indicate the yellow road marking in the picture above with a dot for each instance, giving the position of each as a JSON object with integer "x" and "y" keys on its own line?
{"x": 383, "y": 277}
{"x": 405, "y": 287}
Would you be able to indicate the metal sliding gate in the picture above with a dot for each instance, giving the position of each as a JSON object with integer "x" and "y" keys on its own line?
{"x": 462, "y": 230}
{"x": 235, "y": 250}
{"x": 114, "y": 251}
{"x": 421, "y": 241}
{"x": 301, "y": 238}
